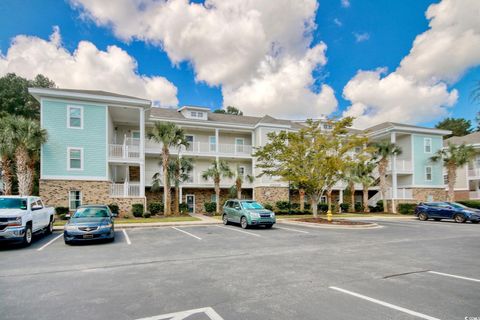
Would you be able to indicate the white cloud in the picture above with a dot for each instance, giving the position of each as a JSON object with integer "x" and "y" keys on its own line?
{"x": 345, "y": 3}
{"x": 236, "y": 44}
{"x": 361, "y": 37}
{"x": 417, "y": 90}
{"x": 338, "y": 22}
{"x": 85, "y": 68}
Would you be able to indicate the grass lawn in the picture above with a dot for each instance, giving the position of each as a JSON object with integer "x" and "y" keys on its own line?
{"x": 143, "y": 220}
{"x": 335, "y": 215}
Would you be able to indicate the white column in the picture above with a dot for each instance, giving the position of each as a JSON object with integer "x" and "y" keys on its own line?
{"x": 393, "y": 139}
{"x": 142, "y": 152}
{"x": 181, "y": 194}
{"x": 216, "y": 140}
{"x": 340, "y": 196}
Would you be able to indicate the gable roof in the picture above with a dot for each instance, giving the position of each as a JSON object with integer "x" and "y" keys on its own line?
{"x": 472, "y": 138}
{"x": 386, "y": 126}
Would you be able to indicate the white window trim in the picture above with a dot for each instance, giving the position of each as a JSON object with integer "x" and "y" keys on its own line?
{"x": 68, "y": 159}
{"x": 81, "y": 117}
{"x": 244, "y": 170}
{"x": 431, "y": 173}
{"x": 425, "y": 145}
{"x": 70, "y": 198}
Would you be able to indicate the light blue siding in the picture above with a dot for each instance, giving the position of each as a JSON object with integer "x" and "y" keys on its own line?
{"x": 91, "y": 138}
{"x": 421, "y": 159}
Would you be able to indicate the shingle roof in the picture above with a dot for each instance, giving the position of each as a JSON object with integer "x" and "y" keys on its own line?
{"x": 96, "y": 92}
{"x": 471, "y": 138}
{"x": 385, "y": 125}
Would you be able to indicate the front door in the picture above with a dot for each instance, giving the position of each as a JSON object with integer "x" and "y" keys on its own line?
{"x": 190, "y": 200}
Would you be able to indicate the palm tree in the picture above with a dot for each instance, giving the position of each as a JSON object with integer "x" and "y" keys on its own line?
{"x": 179, "y": 170}
{"x": 169, "y": 136}
{"x": 454, "y": 156}
{"x": 217, "y": 170}
{"x": 383, "y": 150}
{"x": 239, "y": 181}
{"x": 364, "y": 176}
{"x": 351, "y": 178}
{"x": 7, "y": 150}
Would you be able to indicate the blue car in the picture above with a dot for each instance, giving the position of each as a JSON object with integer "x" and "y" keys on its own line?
{"x": 447, "y": 210}
{"x": 91, "y": 222}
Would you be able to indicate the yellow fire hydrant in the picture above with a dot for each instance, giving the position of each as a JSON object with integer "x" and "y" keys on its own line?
{"x": 329, "y": 215}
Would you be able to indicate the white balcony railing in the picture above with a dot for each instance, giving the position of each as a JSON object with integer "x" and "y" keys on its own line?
{"x": 127, "y": 189}
{"x": 474, "y": 194}
{"x": 204, "y": 148}
{"x": 401, "y": 165}
{"x": 473, "y": 172}
{"x": 402, "y": 194}
{"x": 124, "y": 152}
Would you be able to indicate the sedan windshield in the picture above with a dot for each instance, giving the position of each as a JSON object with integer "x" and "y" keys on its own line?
{"x": 91, "y": 213}
{"x": 251, "y": 205}
{"x": 13, "y": 203}
{"x": 457, "y": 205}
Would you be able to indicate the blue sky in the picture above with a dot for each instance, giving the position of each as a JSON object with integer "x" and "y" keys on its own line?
{"x": 386, "y": 29}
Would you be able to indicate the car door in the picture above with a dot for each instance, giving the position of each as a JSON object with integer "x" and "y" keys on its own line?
{"x": 447, "y": 211}
{"x": 236, "y": 211}
{"x": 37, "y": 215}
{"x": 434, "y": 210}
{"x": 227, "y": 210}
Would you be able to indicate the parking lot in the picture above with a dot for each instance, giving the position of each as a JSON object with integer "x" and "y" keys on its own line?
{"x": 403, "y": 270}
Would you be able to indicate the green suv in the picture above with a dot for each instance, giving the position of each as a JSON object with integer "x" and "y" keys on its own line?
{"x": 247, "y": 213}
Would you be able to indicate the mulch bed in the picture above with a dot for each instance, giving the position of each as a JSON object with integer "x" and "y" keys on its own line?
{"x": 333, "y": 222}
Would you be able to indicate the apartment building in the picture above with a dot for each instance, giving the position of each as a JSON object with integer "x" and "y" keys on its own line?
{"x": 467, "y": 186}
{"x": 97, "y": 152}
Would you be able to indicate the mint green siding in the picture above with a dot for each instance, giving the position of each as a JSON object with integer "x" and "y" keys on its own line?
{"x": 92, "y": 138}
{"x": 421, "y": 159}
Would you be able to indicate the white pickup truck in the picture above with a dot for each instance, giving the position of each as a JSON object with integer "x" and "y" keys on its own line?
{"x": 21, "y": 217}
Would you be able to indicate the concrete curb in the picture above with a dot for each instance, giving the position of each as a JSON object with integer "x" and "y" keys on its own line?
{"x": 156, "y": 224}
{"x": 371, "y": 225}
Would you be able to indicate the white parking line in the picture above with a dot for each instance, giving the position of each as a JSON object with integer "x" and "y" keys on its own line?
{"x": 49, "y": 242}
{"x": 191, "y": 235}
{"x": 209, "y": 312}
{"x": 385, "y": 304}
{"x": 250, "y": 233}
{"x": 290, "y": 229}
{"x": 127, "y": 238}
{"x": 454, "y": 276}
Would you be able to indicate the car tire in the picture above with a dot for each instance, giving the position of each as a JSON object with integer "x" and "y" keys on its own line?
{"x": 437, "y": 219}
{"x": 49, "y": 228}
{"x": 459, "y": 218}
{"x": 474, "y": 222}
{"x": 68, "y": 242}
{"x": 268, "y": 226}
{"x": 244, "y": 223}
{"x": 225, "y": 219}
{"x": 28, "y": 236}
{"x": 422, "y": 216}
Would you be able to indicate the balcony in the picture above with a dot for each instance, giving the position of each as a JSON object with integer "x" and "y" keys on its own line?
{"x": 204, "y": 148}
{"x": 124, "y": 152}
{"x": 474, "y": 173}
{"x": 402, "y": 166}
{"x": 125, "y": 190}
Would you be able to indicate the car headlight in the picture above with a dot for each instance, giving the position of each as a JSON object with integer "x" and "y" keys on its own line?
{"x": 254, "y": 214}
{"x": 15, "y": 222}
{"x": 272, "y": 214}
{"x": 105, "y": 226}
{"x": 69, "y": 227}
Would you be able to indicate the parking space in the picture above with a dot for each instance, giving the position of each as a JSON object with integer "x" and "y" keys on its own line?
{"x": 405, "y": 270}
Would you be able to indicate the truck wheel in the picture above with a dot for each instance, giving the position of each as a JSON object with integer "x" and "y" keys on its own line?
{"x": 49, "y": 228}
{"x": 28, "y": 236}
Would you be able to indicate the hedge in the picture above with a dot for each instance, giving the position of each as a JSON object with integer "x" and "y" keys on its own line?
{"x": 471, "y": 203}
{"x": 147, "y": 214}
{"x": 210, "y": 207}
{"x": 61, "y": 210}
{"x": 137, "y": 210}
{"x": 344, "y": 206}
{"x": 293, "y": 211}
{"x": 114, "y": 208}
{"x": 268, "y": 206}
{"x": 282, "y": 205}
{"x": 155, "y": 207}
{"x": 182, "y": 207}
{"x": 406, "y": 208}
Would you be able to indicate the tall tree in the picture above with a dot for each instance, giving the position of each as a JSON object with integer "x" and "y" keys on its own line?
{"x": 350, "y": 176}
{"x": 14, "y": 96}
{"x": 383, "y": 151}
{"x": 230, "y": 110}
{"x": 179, "y": 169}
{"x": 459, "y": 126}
{"x": 28, "y": 137}
{"x": 169, "y": 136}
{"x": 7, "y": 152}
{"x": 364, "y": 175}
{"x": 453, "y": 157}
{"x": 239, "y": 179}
{"x": 218, "y": 170}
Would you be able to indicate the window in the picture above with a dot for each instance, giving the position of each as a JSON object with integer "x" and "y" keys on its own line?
{"x": 427, "y": 144}
{"x": 213, "y": 198}
{"x": 193, "y": 114}
{"x": 75, "y": 159}
{"x": 189, "y": 138}
{"x": 239, "y": 143}
{"x": 241, "y": 171}
{"x": 74, "y": 199}
{"x": 199, "y": 114}
{"x": 445, "y": 179}
{"x": 75, "y": 117}
{"x": 428, "y": 173}
{"x": 327, "y": 126}
{"x": 213, "y": 143}
{"x": 136, "y": 134}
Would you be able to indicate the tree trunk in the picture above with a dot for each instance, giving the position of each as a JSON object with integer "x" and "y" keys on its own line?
{"x": 217, "y": 195}
{"x": 238, "y": 184}
{"x": 166, "y": 184}
{"x": 452, "y": 179}
{"x": 351, "y": 186}
{"x": 176, "y": 200}
{"x": 314, "y": 203}
{"x": 365, "y": 199}
{"x": 24, "y": 176}
{"x": 329, "y": 199}
{"x": 301, "y": 193}
{"x": 382, "y": 168}
{"x": 7, "y": 175}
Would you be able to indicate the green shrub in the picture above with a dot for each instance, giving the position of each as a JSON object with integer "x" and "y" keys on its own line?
{"x": 182, "y": 207}
{"x": 61, "y": 210}
{"x": 322, "y": 207}
{"x": 358, "y": 207}
{"x": 307, "y": 206}
{"x": 114, "y": 208}
{"x": 344, "y": 206}
{"x": 475, "y": 204}
{"x": 268, "y": 206}
{"x": 295, "y": 206}
{"x": 155, "y": 207}
{"x": 210, "y": 207}
{"x": 147, "y": 214}
{"x": 406, "y": 208}
{"x": 137, "y": 210}
{"x": 282, "y": 205}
